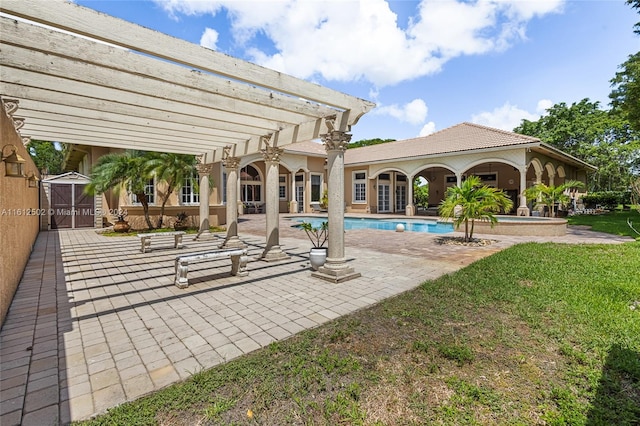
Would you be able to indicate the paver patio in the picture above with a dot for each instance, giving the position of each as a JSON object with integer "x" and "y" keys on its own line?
{"x": 95, "y": 322}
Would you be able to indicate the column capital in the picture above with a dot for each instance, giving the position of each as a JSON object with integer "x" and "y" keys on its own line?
{"x": 231, "y": 163}
{"x": 271, "y": 154}
{"x": 336, "y": 140}
{"x": 204, "y": 169}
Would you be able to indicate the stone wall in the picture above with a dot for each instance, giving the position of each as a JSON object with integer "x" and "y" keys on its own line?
{"x": 19, "y": 218}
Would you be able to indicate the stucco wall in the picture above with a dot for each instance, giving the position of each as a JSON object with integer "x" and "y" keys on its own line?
{"x": 19, "y": 219}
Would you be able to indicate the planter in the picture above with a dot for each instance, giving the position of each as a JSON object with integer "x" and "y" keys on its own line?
{"x": 121, "y": 226}
{"x": 180, "y": 227}
{"x": 317, "y": 257}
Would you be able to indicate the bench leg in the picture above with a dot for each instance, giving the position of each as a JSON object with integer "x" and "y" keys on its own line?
{"x": 178, "y": 241}
{"x": 182, "y": 269}
{"x": 239, "y": 265}
{"x": 145, "y": 243}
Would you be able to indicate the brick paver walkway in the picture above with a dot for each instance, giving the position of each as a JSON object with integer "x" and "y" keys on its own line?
{"x": 95, "y": 323}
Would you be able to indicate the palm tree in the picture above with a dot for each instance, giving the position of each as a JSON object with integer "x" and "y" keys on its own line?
{"x": 473, "y": 201}
{"x": 550, "y": 195}
{"x": 129, "y": 169}
{"x": 173, "y": 169}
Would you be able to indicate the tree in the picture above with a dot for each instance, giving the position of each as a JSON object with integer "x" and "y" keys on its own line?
{"x": 420, "y": 193}
{"x": 473, "y": 201}
{"x": 598, "y": 137}
{"x": 171, "y": 168}
{"x": 129, "y": 169}
{"x": 47, "y": 157}
{"x": 368, "y": 142}
{"x": 550, "y": 195}
{"x": 625, "y": 95}
{"x": 635, "y": 4}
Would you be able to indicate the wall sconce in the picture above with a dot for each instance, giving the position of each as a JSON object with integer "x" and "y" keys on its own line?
{"x": 33, "y": 180}
{"x": 13, "y": 162}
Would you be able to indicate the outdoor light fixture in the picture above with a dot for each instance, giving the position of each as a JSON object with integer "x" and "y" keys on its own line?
{"x": 33, "y": 180}
{"x": 13, "y": 162}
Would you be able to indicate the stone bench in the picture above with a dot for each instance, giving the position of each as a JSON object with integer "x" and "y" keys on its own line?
{"x": 239, "y": 260}
{"x": 145, "y": 239}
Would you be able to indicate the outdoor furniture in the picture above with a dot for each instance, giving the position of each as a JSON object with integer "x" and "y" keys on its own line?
{"x": 145, "y": 239}
{"x": 239, "y": 260}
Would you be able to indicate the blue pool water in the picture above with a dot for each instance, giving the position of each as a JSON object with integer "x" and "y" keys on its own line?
{"x": 416, "y": 225}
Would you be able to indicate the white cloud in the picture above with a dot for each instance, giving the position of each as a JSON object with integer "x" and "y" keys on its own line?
{"x": 507, "y": 117}
{"x": 413, "y": 112}
{"x": 427, "y": 129}
{"x": 353, "y": 41}
{"x": 209, "y": 38}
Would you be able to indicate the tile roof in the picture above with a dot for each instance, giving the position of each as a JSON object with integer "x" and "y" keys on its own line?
{"x": 307, "y": 147}
{"x": 458, "y": 138}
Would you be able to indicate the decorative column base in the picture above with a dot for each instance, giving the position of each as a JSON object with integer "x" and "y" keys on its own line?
{"x": 274, "y": 254}
{"x": 293, "y": 207}
{"x": 523, "y": 211}
{"x": 233, "y": 243}
{"x": 336, "y": 271}
{"x": 205, "y": 236}
{"x": 410, "y": 210}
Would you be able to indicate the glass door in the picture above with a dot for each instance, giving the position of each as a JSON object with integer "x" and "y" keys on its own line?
{"x": 384, "y": 204}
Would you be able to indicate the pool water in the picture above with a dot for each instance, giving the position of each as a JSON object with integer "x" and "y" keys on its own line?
{"x": 416, "y": 225}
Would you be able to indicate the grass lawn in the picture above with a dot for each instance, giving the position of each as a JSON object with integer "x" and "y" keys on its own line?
{"x": 614, "y": 222}
{"x": 535, "y": 334}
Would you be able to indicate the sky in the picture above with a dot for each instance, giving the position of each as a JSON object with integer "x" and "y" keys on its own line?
{"x": 427, "y": 64}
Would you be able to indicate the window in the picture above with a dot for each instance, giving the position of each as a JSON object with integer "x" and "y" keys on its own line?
{"x": 149, "y": 190}
{"x": 282, "y": 187}
{"x": 316, "y": 188}
{"x": 250, "y": 184}
{"x": 359, "y": 187}
{"x": 188, "y": 193}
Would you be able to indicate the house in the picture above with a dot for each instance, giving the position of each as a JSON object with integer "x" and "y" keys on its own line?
{"x": 377, "y": 179}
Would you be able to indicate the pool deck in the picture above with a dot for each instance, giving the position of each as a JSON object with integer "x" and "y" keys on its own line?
{"x": 95, "y": 322}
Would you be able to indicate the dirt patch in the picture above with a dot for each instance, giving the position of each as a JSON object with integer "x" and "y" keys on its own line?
{"x": 459, "y": 241}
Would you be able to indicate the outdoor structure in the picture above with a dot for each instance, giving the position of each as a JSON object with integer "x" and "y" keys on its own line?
{"x": 86, "y": 78}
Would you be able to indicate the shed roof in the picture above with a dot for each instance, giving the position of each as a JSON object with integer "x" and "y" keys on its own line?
{"x": 83, "y": 77}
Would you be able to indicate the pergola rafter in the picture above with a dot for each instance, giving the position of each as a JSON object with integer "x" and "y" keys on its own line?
{"x": 89, "y": 78}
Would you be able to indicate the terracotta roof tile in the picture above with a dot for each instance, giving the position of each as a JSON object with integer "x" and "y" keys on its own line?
{"x": 461, "y": 137}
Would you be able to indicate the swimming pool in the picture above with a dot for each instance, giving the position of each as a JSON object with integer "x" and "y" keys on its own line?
{"x": 412, "y": 225}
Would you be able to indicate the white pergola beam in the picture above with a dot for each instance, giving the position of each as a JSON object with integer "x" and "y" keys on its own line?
{"x": 87, "y": 22}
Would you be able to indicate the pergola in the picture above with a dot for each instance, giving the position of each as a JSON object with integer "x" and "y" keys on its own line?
{"x": 82, "y": 77}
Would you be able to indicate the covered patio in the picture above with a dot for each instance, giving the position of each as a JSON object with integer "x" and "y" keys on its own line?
{"x": 81, "y": 77}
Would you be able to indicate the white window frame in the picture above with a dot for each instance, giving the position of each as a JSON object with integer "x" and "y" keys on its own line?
{"x": 149, "y": 189}
{"x": 282, "y": 185}
{"x": 320, "y": 190}
{"x": 193, "y": 197}
{"x": 359, "y": 187}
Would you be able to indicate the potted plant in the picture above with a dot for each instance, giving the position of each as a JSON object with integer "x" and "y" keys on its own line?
{"x": 121, "y": 224}
{"x": 181, "y": 221}
{"x": 318, "y": 237}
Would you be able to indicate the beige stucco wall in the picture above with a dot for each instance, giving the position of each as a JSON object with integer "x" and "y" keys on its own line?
{"x": 19, "y": 216}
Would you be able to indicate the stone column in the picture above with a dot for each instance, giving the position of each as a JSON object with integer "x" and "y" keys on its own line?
{"x": 307, "y": 192}
{"x": 336, "y": 269}
{"x": 523, "y": 210}
{"x": 232, "y": 240}
{"x": 293, "y": 205}
{"x": 273, "y": 250}
{"x": 411, "y": 208}
{"x": 204, "y": 171}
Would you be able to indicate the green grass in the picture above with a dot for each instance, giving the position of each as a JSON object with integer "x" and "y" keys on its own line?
{"x": 134, "y": 232}
{"x": 614, "y": 222}
{"x": 535, "y": 334}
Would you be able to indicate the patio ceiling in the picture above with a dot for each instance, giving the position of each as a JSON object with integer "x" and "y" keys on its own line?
{"x": 91, "y": 79}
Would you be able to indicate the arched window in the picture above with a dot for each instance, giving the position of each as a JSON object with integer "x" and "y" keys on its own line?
{"x": 250, "y": 184}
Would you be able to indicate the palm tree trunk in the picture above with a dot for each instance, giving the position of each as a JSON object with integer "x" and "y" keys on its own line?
{"x": 466, "y": 230}
{"x": 145, "y": 207}
{"x": 473, "y": 222}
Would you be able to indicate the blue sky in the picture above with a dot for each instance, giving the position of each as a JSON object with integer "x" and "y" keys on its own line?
{"x": 427, "y": 64}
